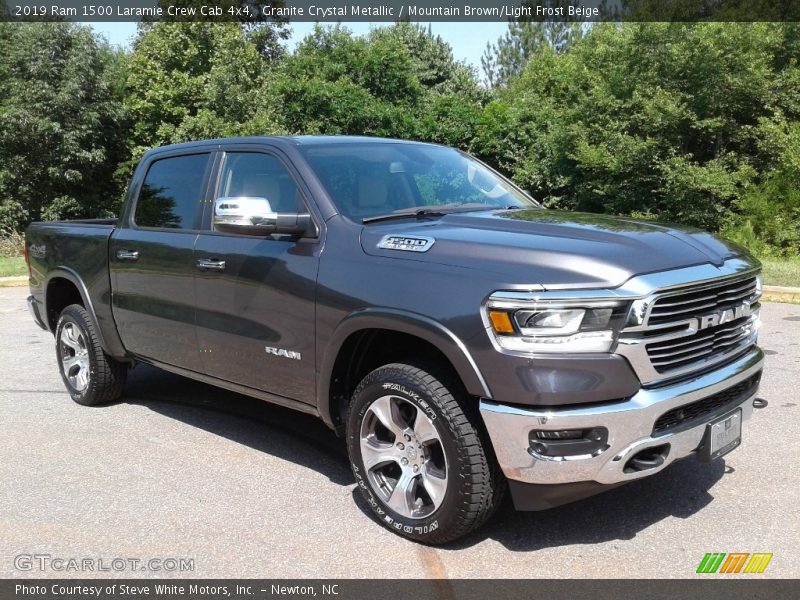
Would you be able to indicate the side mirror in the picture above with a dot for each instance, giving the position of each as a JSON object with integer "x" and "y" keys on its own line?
{"x": 254, "y": 216}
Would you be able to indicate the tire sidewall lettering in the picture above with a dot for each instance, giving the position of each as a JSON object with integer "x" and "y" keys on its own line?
{"x": 410, "y": 527}
{"x": 412, "y": 395}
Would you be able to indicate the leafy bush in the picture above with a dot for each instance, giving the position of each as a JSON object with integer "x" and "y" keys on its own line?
{"x": 60, "y": 123}
{"x": 11, "y": 243}
{"x": 656, "y": 117}
{"x": 768, "y": 218}
{"x": 694, "y": 123}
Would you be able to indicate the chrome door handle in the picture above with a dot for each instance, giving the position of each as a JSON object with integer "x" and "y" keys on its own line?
{"x": 127, "y": 255}
{"x": 209, "y": 264}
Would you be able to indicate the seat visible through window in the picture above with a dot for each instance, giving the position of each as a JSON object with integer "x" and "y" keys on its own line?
{"x": 373, "y": 192}
{"x": 262, "y": 185}
{"x": 261, "y": 176}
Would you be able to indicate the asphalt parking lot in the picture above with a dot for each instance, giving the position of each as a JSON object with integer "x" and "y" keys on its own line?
{"x": 183, "y": 470}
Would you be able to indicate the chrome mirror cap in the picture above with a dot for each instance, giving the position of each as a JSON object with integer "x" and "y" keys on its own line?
{"x": 247, "y": 215}
{"x": 244, "y": 214}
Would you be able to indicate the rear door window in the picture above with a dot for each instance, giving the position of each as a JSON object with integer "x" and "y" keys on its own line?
{"x": 172, "y": 193}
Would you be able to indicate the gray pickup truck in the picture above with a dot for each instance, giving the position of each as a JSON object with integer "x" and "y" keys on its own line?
{"x": 464, "y": 340}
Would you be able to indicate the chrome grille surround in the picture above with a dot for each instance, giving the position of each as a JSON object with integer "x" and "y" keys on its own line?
{"x": 644, "y": 292}
{"x": 674, "y": 332}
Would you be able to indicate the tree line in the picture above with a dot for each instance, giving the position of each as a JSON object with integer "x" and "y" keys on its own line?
{"x": 697, "y": 124}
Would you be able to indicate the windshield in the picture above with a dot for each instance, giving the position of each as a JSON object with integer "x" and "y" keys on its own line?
{"x": 375, "y": 179}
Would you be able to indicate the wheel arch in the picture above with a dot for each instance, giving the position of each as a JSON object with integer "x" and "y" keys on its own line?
{"x": 357, "y": 332}
{"x": 62, "y": 286}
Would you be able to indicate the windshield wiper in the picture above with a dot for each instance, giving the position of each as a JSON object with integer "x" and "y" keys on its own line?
{"x": 437, "y": 212}
{"x": 418, "y": 214}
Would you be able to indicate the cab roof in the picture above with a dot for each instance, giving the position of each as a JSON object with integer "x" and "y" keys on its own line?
{"x": 293, "y": 140}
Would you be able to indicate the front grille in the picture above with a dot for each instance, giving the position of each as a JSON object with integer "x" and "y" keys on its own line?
{"x": 674, "y": 331}
{"x": 679, "y": 348}
{"x": 677, "y": 353}
{"x": 695, "y": 301}
{"x": 707, "y": 408}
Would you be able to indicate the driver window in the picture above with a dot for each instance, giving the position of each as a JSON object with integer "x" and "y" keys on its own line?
{"x": 252, "y": 174}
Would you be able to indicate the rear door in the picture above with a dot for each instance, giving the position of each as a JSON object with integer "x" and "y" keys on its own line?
{"x": 152, "y": 266}
{"x": 255, "y": 311}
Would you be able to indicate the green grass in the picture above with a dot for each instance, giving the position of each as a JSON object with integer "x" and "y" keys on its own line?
{"x": 12, "y": 266}
{"x": 782, "y": 271}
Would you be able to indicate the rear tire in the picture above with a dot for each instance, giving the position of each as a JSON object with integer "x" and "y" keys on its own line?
{"x": 419, "y": 455}
{"x": 89, "y": 374}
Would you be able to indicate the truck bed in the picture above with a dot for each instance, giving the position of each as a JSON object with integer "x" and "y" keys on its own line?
{"x": 77, "y": 251}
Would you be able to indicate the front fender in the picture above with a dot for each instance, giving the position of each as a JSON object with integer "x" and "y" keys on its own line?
{"x": 409, "y": 323}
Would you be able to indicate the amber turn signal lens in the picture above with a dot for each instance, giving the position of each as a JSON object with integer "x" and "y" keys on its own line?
{"x": 501, "y": 322}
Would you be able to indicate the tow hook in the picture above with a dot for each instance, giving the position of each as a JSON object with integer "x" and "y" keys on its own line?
{"x": 760, "y": 403}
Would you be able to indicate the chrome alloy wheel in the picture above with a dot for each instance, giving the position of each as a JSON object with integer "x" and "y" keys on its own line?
{"x": 403, "y": 457}
{"x": 74, "y": 356}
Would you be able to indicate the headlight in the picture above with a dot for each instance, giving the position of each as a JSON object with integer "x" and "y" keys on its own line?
{"x": 557, "y": 326}
{"x": 561, "y": 321}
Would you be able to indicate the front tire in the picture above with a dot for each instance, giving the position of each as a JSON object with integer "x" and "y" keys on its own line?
{"x": 418, "y": 454}
{"x": 89, "y": 374}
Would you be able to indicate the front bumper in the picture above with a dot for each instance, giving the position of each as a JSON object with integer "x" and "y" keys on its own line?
{"x": 630, "y": 429}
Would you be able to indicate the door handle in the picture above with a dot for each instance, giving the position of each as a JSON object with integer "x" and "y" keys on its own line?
{"x": 127, "y": 255}
{"x": 209, "y": 264}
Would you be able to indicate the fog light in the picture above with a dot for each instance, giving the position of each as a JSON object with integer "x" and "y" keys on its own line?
{"x": 564, "y": 434}
{"x": 568, "y": 442}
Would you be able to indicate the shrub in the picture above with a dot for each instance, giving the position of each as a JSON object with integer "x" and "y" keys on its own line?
{"x": 768, "y": 217}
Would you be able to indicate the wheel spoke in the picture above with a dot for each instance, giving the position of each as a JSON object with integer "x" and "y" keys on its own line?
{"x": 401, "y": 499}
{"x": 384, "y": 410}
{"x": 70, "y": 362}
{"x": 424, "y": 428}
{"x": 68, "y": 337}
{"x": 435, "y": 484}
{"x": 74, "y": 336}
{"x": 82, "y": 378}
{"x": 375, "y": 455}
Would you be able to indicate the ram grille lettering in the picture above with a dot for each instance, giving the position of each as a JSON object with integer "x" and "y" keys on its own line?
{"x": 723, "y": 316}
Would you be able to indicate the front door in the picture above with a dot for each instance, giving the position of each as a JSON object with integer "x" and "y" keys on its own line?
{"x": 152, "y": 263}
{"x": 255, "y": 302}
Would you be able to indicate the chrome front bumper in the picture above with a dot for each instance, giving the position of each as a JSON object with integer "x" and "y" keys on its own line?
{"x": 629, "y": 423}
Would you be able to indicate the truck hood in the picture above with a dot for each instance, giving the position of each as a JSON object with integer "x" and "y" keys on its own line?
{"x": 555, "y": 249}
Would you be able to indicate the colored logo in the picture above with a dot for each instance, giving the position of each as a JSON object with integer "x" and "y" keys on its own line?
{"x": 734, "y": 562}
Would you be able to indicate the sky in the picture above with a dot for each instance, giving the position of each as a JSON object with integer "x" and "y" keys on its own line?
{"x": 468, "y": 40}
